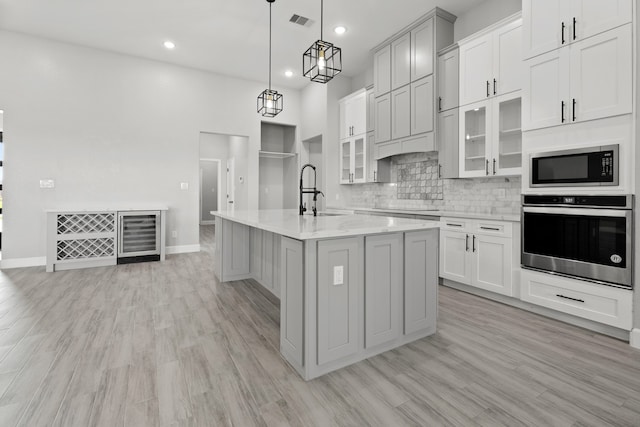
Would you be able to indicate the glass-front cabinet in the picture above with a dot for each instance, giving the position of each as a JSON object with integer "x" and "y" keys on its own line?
{"x": 491, "y": 137}
{"x": 353, "y": 160}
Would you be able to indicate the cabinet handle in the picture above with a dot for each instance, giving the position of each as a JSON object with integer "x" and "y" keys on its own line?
{"x": 453, "y": 225}
{"x": 574, "y": 27}
{"x": 561, "y": 111}
{"x": 439, "y": 171}
{"x": 488, "y": 89}
{"x": 474, "y": 243}
{"x": 490, "y": 228}
{"x": 466, "y": 242}
{"x": 374, "y": 177}
{"x": 494, "y": 86}
{"x": 494, "y": 166}
{"x": 487, "y": 167}
{"x": 562, "y": 32}
{"x": 572, "y": 299}
{"x": 439, "y": 103}
{"x": 573, "y": 109}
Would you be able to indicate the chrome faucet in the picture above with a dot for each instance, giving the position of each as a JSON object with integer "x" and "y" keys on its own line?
{"x": 309, "y": 190}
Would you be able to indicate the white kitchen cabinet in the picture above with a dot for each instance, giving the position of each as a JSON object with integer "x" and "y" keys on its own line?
{"x": 588, "y": 80}
{"x": 422, "y": 106}
{"x": 371, "y": 110}
{"x": 400, "y": 61}
{"x": 377, "y": 170}
{"x": 353, "y": 160}
{"x": 422, "y": 50}
{"x": 448, "y": 144}
{"x": 382, "y": 71}
{"x": 490, "y": 136}
{"x": 353, "y": 114}
{"x": 382, "y": 116}
{"x": 478, "y": 253}
{"x": 491, "y": 62}
{"x": 448, "y": 79}
{"x": 401, "y": 112}
{"x": 551, "y": 24}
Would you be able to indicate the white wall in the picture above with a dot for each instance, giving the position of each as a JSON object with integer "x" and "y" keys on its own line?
{"x": 112, "y": 130}
{"x": 484, "y": 14}
{"x": 314, "y": 110}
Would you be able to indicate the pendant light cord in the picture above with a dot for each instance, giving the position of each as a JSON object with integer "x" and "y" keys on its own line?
{"x": 321, "y": 17}
{"x": 270, "y": 46}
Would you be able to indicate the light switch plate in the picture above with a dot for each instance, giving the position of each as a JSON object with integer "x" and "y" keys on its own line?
{"x": 338, "y": 275}
{"x": 47, "y": 183}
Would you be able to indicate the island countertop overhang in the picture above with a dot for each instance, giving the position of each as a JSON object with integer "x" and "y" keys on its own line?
{"x": 288, "y": 222}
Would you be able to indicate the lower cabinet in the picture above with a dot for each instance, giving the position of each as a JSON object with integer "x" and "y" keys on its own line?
{"x": 420, "y": 280}
{"x": 339, "y": 285}
{"x": 264, "y": 259}
{"x": 235, "y": 251}
{"x": 478, "y": 253}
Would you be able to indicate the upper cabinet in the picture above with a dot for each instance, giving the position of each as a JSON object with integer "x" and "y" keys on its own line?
{"x": 448, "y": 79}
{"x": 551, "y": 24}
{"x": 588, "y": 80}
{"x": 353, "y": 114}
{"x": 404, "y": 78}
{"x": 491, "y": 63}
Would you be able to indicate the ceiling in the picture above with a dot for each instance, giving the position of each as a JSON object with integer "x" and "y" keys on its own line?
{"x": 228, "y": 37}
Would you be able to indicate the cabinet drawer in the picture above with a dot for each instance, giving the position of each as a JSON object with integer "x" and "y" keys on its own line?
{"x": 493, "y": 228}
{"x": 457, "y": 224}
{"x": 600, "y": 303}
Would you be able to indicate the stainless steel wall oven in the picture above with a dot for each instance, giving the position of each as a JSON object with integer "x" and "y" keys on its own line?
{"x": 589, "y": 237}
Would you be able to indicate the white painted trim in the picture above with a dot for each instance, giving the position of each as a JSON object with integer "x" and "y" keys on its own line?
{"x": 212, "y": 222}
{"x": 634, "y": 338}
{"x": 182, "y": 249}
{"x": 23, "y": 262}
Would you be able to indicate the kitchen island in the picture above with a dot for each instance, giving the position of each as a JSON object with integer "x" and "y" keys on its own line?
{"x": 350, "y": 286}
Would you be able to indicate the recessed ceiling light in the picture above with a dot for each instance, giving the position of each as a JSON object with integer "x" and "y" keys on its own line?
{"x": 169, "y": 44}
{"x": 340, "y": 30}
{"x": 288, "y": 73}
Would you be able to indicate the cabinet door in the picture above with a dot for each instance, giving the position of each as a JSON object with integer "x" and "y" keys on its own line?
{"x": 372, "y": 163}
{"x": 421, "y": 280}
{"x": 601, "y": 75}
{"x": 383, "y": 288}
{"x": 593, "y": 17}
{"x": 292, "y": 299}
{"x": 400, "y": 61}
{"x": 267, "y": 260}
{"x": 339, "y": 284}
{"x": 546, "y": 90}
{"x": 422, "y": 106}
{"x": 492, "y": 266}
{"x": 358, "y": 147}
{"x": 400, "y": 112}
{"x": 256, "y": 253}
{"x": 506, "y": 153}
{"x": 474, "y": 136}
{"x": 542, "y": 25}
{"x": 358, "y": 114}
{"x": 455, "y": 256}
{"x": 448, "y": 80}
{"x": 422, "y": 50}
{"x": 345, "y": 161}
{"x": 345, "y": 127}
{"x": 476, "y": 69}
{"x": 383, "y": 118}
{"x": 448, "y": 144}
{"x": 382, "y": 71}
{"x": 236, "y": 242}
{"x": 508, "y": 66}
{"x": 371, "y": 110}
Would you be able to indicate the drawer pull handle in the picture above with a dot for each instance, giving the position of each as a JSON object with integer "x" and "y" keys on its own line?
{"x": 490, "y": 228}
{"x": 454, "y": 225}
{"x": 467, "y": 243}
{"x": 474, "y": 243}
{"x": 572, "y": 299}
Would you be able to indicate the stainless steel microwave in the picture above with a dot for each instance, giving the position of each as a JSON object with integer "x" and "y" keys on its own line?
{"x": 592, "y": 166}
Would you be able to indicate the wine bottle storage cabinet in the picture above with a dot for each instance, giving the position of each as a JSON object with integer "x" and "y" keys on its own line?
{"x": 92, "y": 239}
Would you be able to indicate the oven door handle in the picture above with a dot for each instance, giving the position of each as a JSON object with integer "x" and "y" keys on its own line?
{"x": 617, "y": 213}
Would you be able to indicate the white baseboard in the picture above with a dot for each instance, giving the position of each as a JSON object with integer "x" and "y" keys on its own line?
{"x": 23, "y": 262}
{"x": 208, "y": 222}
{"x": 182, "y": 249}
{"x": 634, "y": 338}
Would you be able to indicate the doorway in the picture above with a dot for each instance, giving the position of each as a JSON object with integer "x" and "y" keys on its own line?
{"x": 210, "y": 194}
{"x": 231, "y": 184}
{"x": 1, "y": 172}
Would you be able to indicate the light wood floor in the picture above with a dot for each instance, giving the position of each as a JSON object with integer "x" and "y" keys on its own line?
{"x": 165, "y": 344}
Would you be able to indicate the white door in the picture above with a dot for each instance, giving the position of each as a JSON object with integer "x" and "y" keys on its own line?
{"x": 383, "y": 118}
{"x": 543, "y": 26}
{"x": 209, "y": 189}
{"x": 595, "y": 16}
{"x": 231, "y": 185}
{"x": 400, "y": 62}
{"x": 448, "y": 81}
{"x": 476, "y": 66}
{"x": 492, "y": 264}
{"x": 508, "y": 66}
{"x": 474, "y": 136}
{"x": 346, "y": 167}
{"x": 400, "y": 117}
{"x": 506, "y": 153}
{"x": 422, "y": 106}
{"x": 448, "y": 144}
{"x": 358, "y": 114}
{"x": 382, "y": 71}
{"x": 455, "y": 259}
{"x": 422, "y": 50}
{"x": 601, "y": 75}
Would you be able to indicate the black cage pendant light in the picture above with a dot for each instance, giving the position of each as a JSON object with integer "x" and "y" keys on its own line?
{"x": 322, "y": 61}
{"x": 269, "y": 101}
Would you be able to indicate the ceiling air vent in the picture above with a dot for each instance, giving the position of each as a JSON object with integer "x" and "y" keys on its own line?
{"x": 300, "y": 20}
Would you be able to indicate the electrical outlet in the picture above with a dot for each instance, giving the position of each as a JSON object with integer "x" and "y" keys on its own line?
{"x": 174, "y": 234}
{"x": 338, "y": 275}
{"x": 47, "y": 183}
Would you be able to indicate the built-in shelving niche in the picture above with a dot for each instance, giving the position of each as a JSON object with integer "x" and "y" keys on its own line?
{"x": 278, "y": 167}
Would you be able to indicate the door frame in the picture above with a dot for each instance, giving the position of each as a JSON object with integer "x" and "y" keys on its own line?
{"x": 218, "y": 192}
{"x": 231, "y": 185}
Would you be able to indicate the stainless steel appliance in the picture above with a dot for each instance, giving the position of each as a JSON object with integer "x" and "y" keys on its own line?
{"x": 593, "y": 166}
{"x": 139, "y": 236}
{"x": 589, "y": 237}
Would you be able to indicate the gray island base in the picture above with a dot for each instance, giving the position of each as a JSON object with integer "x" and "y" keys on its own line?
{"x": 350, "y": 286}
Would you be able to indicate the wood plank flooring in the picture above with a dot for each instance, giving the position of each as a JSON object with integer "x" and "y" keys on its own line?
{"x": 164, "y": 344}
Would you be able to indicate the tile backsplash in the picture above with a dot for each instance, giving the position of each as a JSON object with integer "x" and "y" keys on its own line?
{"x": 416, "y": 184}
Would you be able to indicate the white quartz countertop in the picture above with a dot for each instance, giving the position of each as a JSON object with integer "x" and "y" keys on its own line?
{"x": 434, "y": 212}
{"x": 109, "y": 209}
{"x": 289, "y": 223}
